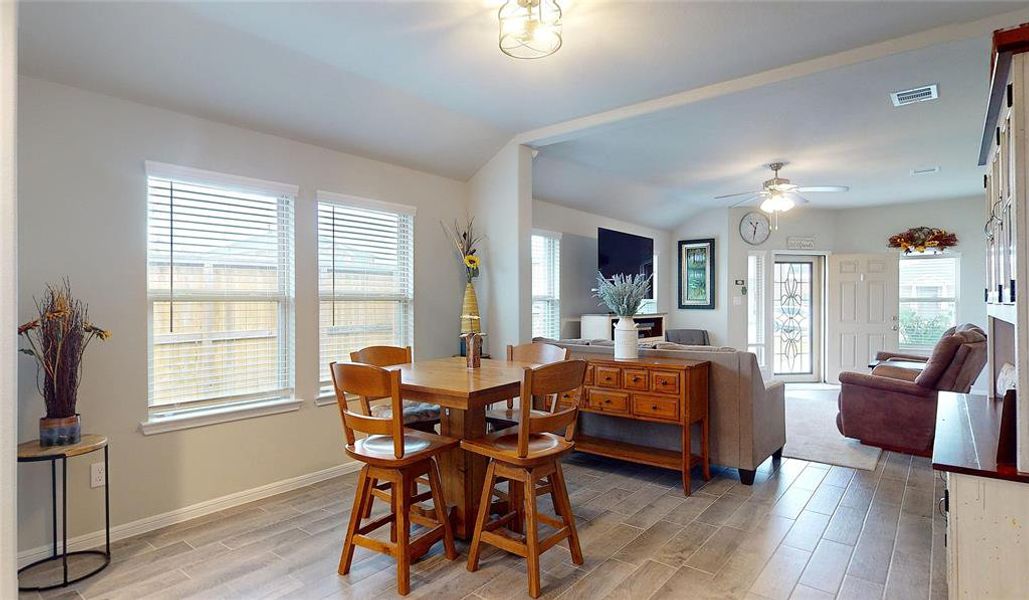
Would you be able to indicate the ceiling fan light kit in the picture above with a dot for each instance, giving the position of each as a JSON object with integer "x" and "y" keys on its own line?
{"x": 530, "y": 29}
{"x": 778, "y": 194}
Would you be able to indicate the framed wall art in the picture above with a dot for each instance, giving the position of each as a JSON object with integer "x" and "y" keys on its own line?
{"x": 697, "y": 274}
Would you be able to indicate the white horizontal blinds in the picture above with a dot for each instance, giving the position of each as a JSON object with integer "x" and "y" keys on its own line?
{"x": 220, "y": 287}
{"x": 756, "y": 277}
{"x": 928, "y": 299}
{"x": 365, "y": 277}
{"x": 546, "y": 269}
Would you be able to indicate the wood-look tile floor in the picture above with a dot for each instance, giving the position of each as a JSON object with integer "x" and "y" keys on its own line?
{"x": 803, "y": 530}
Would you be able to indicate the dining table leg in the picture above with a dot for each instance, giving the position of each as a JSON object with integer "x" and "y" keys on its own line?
{"x": 463, "y": 473}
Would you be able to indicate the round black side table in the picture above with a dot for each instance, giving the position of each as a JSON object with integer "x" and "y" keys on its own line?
{"x": 33, "y": 452}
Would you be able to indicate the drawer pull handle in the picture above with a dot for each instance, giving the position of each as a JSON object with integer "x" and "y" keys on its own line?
{"x": 653, "y": 407}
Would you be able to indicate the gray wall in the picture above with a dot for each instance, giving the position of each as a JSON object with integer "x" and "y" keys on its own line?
{"x": 578, "y": 231}
{"x": 82, "y": 204}
{"x": 846, "y": 231}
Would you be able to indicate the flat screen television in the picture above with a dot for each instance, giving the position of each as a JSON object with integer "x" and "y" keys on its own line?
{"x": 619, "y": 252}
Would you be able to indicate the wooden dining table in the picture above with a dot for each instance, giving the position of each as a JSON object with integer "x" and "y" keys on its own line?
{"x": 463, "y": 395}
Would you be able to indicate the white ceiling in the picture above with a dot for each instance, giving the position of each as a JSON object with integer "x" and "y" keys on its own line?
{"x": 837, "y": 127}
{"x": 423, "y": 84}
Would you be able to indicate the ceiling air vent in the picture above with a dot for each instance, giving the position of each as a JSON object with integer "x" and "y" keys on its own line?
{"x": 913, "y": 96}
{"x": 925, "y": 170}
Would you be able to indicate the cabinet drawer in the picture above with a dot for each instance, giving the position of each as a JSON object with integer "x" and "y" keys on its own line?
{"x": 634, "y": 379}
{"x": 568, "y": 399}
{"x": 614, "y": 402}
{"x": 655, "y": 407}
{"x": 665, "y": 382}
{"x": 609, "y": 377}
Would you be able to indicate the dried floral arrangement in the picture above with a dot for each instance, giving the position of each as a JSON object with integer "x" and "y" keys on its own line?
{"x": 465, "y": 241}
{"x": 920, "y": 239}
{"x": 57, "y": 339}
{"x": 623, "y": 294}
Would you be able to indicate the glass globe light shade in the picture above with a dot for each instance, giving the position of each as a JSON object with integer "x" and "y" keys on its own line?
{"x": 530, "y": 28}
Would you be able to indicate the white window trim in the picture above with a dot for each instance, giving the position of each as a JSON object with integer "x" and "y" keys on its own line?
{"x": 213, "y": 178}
{"x": 174, "y": 419}
{"x": 368, "y": 203}
{"x": 956, "y": 299}
{"x": 329, "y": 399}
{"x": 556, "y": 298}
{"x": 203, "y": 417}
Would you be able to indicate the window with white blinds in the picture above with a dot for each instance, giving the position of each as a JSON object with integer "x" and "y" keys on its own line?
{"x": 365, "y": 277}
{"x": 546, "y": 284}
{"x": 928, "y": 299}
{"x": 220, "y": 289}
{"x": 756, "y": 308}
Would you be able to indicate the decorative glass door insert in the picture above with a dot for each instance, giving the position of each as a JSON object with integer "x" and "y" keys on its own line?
{"x": 794, "y": 318}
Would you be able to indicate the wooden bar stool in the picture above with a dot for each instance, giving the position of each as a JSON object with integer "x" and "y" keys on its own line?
{"x": 536, "y": 352}
{"x": 397, "y": 455}
{"x": 523, "y": 457}
{"x": 417, "y": 415}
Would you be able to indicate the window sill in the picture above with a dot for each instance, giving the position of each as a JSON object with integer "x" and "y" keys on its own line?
{"x": 216, "y": 415}
{"x": 329, "y": 400}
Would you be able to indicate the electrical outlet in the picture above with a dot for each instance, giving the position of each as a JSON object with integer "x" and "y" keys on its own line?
{"x": 97, "y": 475}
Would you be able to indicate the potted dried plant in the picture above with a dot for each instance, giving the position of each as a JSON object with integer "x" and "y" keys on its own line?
{"x": 465, "y": 241}
{"x": 623, "y": 295}
{"x": 57, "y": 338}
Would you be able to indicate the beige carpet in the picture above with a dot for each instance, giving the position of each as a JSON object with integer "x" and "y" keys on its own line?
{"x": 811, "y": 432}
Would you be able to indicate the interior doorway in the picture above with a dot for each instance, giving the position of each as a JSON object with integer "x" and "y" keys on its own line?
{"x": 797, "y": 309}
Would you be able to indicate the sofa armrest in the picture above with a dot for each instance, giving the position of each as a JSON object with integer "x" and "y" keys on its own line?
{"x": 888, "y": 370}
{"x": 775, "y": 388}
{"x": 886, "y": 384}
{"x": 884, "y": 355}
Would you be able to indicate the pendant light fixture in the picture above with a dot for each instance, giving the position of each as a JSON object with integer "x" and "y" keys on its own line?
{"x": 530, "y": 28}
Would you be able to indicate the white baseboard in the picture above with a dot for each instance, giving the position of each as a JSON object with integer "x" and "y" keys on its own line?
{"x": 127, "y": 530}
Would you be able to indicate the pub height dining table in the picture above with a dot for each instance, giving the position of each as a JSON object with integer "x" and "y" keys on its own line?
{"x": 463, "y": 395}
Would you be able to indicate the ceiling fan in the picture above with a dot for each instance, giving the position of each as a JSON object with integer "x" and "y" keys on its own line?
{"x": 778, "y": 194}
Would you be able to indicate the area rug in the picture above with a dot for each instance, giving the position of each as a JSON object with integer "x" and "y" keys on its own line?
{"x": 811, "y": 432}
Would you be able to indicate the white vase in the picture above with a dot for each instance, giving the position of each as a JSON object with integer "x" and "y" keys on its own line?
{"x": 626, "y": 339}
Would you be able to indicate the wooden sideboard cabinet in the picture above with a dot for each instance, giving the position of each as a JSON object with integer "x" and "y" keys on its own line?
{"x": 661, "y": 390}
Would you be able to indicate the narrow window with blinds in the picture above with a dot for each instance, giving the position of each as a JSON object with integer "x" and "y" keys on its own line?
{"x": 546, "y": 283}
{"x": 756, "y": 282}
{"x": 928, "y": 299}
{"x": 365, "y": 277}
{"x": 220, "y": 290}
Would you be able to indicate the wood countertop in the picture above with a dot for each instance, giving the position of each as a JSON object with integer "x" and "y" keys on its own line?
{"x": 967, "y": 430}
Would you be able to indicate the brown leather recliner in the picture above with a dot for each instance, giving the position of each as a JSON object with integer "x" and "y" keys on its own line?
{"x": 895, "y": 408}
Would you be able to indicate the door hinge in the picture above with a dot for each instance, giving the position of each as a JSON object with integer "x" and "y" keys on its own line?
{"x": 1010, "y": 94}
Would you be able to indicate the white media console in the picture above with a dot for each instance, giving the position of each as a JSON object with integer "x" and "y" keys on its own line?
{"x": 651, "y": 327}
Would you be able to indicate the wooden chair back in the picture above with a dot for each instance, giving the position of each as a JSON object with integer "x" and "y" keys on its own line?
{"x": 545, "y": 381}
{"x": 540, "y": 353}
{"x": 380, "y": 356}
{"x": 369, "y": 382}
{"x": 537, "y": 352}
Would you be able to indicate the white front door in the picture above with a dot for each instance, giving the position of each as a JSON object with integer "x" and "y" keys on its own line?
{"x": 797, "y": 318}
{"x": 863, "y": 306}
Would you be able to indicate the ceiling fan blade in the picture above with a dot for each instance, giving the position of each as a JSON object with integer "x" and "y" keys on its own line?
{"x": 800, "y": 199}
{"x": 752, "y": 198}
{"x": 823, "y": 188}
{"x": 735, "y": 195}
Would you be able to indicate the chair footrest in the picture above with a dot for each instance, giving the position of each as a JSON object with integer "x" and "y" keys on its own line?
{"x": 377, "y": 523}
{"x": 506, "y": 539}
{"x": 554, "y": 539}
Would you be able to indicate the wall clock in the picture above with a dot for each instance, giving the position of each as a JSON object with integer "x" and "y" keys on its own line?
{"x": 754, "y": 228}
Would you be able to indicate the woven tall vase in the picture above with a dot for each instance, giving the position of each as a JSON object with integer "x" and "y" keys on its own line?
{"x": 470, "y": 311}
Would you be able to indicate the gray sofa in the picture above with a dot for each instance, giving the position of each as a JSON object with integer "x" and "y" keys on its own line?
{"x": 748, "y": 416}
